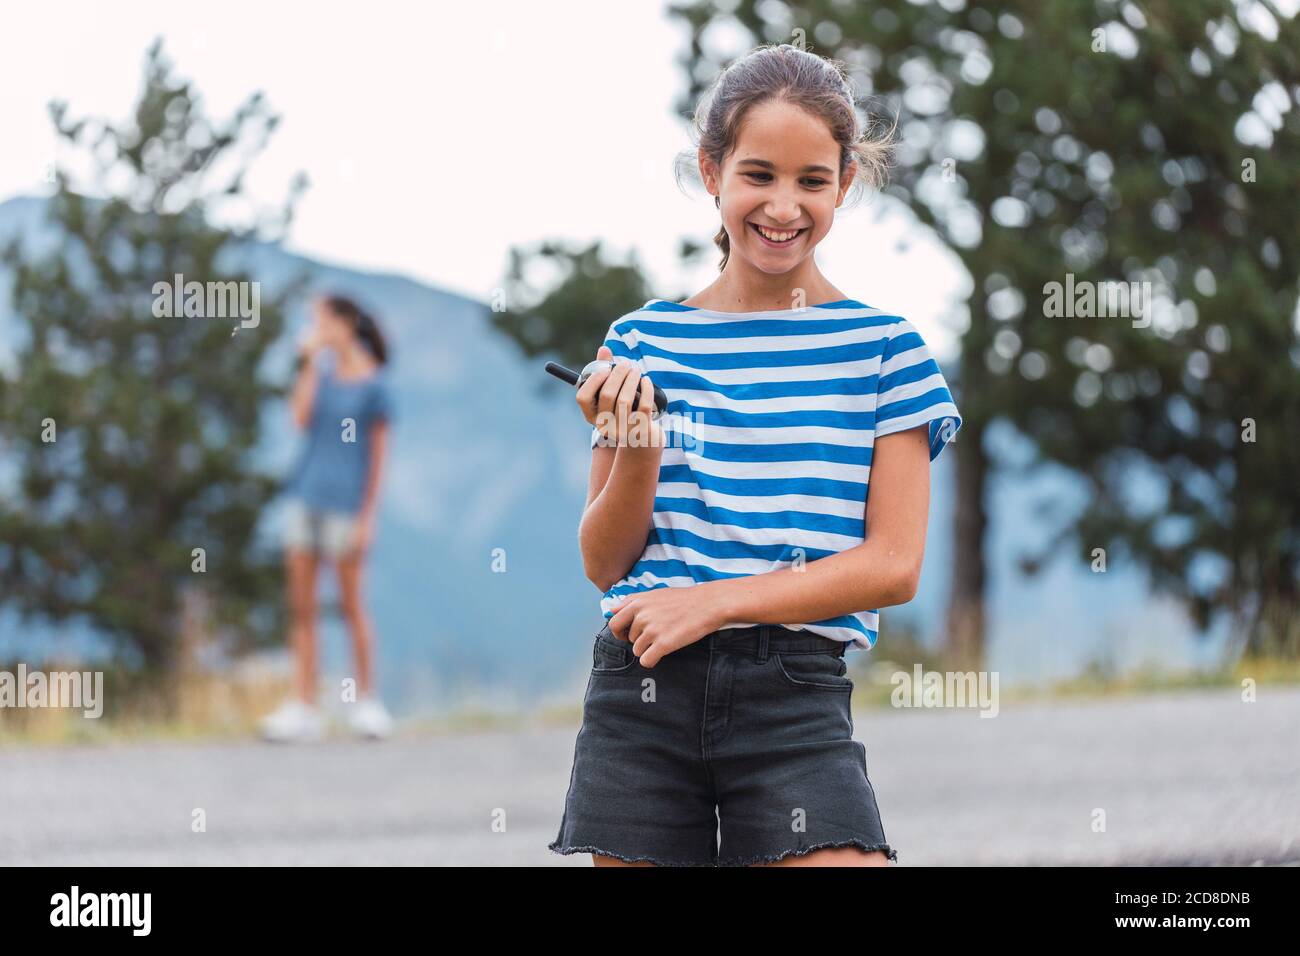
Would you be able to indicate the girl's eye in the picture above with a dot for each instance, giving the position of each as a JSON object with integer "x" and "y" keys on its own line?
{"x": 811, "y": 182}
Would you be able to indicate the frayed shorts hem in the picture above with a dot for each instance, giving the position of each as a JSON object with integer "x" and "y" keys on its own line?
{"x": 890, "y": 854}
{"x": 624, "y": 858}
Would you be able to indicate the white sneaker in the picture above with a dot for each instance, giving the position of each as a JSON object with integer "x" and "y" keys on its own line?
{"x": 293, "y": 721}
{"x": 369, "y": 718}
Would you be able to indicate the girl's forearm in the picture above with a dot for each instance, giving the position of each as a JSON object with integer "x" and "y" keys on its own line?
{"x": 375, "y": 471}
{"x": 304, "y": 393}
{"x": 612, "y": 534}
{"x": 862, "y": 578}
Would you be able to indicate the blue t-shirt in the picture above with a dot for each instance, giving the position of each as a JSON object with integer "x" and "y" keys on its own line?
{"x": 770, "y": 425}
{"x": 330, "y": 474}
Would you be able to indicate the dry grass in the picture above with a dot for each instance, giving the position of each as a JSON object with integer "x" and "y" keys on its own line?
{"x": 874, "y": 687}
{"x": 229, "y": 705}
{"x": 198, "y": 705}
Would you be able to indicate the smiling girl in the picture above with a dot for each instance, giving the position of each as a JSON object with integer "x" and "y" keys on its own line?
{"x": 732, "y": 532}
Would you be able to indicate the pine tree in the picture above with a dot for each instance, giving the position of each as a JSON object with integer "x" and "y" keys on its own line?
{"x": 128, "y": 429}
{"x": 1109, "y": 142}
{"x": 570, "y": 318}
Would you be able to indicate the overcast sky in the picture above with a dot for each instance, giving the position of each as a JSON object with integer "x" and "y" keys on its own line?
{"x": 434, "y": 142}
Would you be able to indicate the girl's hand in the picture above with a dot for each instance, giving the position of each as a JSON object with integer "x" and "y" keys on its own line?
{"x": 310, "y": 341}
{"x": 606, "y": 402}
{"x": 363, "y": 533}
{"x": 663, "y": 620}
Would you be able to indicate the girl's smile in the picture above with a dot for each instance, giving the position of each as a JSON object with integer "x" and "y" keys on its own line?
{"x": 777, "y": 238}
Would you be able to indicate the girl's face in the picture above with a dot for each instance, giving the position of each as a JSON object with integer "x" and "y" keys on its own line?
{"x": 335, "y": 333}
{"x": 781, "y": 178}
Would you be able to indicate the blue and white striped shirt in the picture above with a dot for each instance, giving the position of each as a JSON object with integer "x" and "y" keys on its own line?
{"x": 770, "y": 424}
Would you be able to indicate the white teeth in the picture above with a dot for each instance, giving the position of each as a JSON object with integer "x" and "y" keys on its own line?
{"x": 776, "y": 236}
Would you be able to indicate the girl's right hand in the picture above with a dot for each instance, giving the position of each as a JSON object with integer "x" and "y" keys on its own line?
{"x": 606, "y": 402}
{"x": 310, "y": 342}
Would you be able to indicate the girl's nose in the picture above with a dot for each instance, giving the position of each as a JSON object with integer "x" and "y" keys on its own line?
{"x": 783, "y": 209}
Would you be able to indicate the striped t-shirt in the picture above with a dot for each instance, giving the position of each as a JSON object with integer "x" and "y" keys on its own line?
{"x": 770, "y": 423}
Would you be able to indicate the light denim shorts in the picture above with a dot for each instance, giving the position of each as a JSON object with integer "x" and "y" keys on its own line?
{"x": 328, "y": 534}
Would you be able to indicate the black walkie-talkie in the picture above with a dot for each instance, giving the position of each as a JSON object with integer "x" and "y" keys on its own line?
{"x": 591, "y": 368}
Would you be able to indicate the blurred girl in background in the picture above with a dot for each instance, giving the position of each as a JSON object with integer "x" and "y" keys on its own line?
{"x": 341, "y": 400}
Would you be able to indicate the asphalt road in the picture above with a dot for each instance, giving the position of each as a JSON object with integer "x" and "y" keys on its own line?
{"x": 1187, "y": 777}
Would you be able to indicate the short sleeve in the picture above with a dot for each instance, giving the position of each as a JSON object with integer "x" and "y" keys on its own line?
{"x": 381, "y": 400}
{"x": 911, "y": 391}
{"x": 618, "y": 344}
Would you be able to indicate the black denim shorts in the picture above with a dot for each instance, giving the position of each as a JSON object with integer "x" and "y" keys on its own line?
{"x": 736, "y": 749}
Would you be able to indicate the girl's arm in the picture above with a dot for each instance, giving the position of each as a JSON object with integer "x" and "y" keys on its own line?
{"x": 303, "y": 395}
{"x": 624, "y": 474}
{"x": 375, "y": 470}
{"x": 378, "y": 449}
{"x": 882, "y": 571}
{"x": 619, "y": 511}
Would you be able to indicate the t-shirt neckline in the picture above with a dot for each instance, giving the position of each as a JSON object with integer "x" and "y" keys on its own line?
{"x": 374, "y": 374}
{"x": 838, "y": 303}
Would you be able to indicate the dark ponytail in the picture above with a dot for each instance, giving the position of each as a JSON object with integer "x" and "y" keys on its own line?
{"x": 722, "y": 240}
{"x": 363, "y": 325}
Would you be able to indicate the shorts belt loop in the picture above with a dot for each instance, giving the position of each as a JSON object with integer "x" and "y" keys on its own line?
{"x": 762, "y": 643}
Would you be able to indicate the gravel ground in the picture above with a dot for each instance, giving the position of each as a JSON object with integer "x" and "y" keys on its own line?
{"x": 1183, "y": 778}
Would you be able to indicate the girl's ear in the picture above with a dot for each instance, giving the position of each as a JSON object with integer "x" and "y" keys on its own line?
{"x": 846, "y": 181}
{"x": 708, "y": 173}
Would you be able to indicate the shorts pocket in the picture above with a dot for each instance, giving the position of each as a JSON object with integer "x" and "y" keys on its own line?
{"x": 826, "y": 671}
{"x": 609, "y": 655}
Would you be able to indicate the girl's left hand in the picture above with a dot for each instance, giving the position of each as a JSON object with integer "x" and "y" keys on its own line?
{"x": 363, "y": 534}
{"x": 663, "y": 620}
